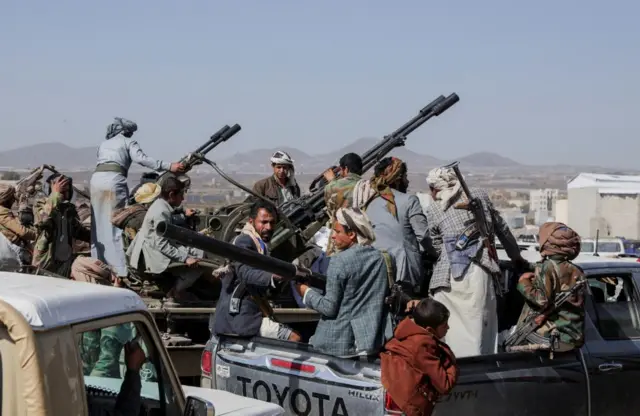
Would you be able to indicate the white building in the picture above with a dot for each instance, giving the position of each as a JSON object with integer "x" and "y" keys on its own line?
{"x": 542, "y": 204}
{"x": 562, "y": 211}
{"x": 609, "y": 203}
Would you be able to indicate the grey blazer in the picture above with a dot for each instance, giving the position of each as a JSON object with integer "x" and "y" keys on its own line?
{"x": 403, "y": 237}
{"x": 158, "y": 252}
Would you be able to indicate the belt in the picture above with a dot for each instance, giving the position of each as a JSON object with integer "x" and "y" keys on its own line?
{"x": 111, "y": 167}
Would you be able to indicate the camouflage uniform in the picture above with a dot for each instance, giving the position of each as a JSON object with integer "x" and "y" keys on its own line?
{"x": 13, "y": 229}
{"x": 551, "y": 276}
{"x": 338, "y": 194}
{"x": 50, "y": 214}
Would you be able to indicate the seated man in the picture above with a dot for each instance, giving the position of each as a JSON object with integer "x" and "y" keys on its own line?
{"x": 355, "y": 319}
{"x": 58, "y": 227}
{"x": 241, "y": 309}
{"x": 130, "y": 218}
{"x": 157, "y": 252}
{"x": 556, "y": 273}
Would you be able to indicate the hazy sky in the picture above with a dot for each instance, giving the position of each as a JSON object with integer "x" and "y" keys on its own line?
{"x": 541, "y": 82}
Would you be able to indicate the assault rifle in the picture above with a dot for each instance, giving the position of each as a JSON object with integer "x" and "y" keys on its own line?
{"x": 195, "y": 158}
{"x": 234, "y": 253}
{"x": 477, "y": 210}
{"x": 534, "y": 322}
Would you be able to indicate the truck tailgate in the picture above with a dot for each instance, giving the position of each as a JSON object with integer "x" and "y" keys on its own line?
{"x": 300, "y": 380}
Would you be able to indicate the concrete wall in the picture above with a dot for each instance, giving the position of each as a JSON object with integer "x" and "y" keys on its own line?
{"x": 562, "y": 211}
{"x": 583, "y": 208}
{"x": 612, "y": 214}
{"x": 622, "y": 214}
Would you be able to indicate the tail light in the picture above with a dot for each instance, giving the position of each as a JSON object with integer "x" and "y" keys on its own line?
{"x": 205, "y": 362}
{"x": 291, "y": 365}
{"x": 390, "y": 406}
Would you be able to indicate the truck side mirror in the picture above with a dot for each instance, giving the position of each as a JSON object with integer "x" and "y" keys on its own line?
{"x": 198, "y": 407}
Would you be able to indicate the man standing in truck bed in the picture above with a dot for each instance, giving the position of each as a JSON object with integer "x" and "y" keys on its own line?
{"x": 281, "y": 186}
{"x": 338, "y": 193}
{"x": 463, "y": 277}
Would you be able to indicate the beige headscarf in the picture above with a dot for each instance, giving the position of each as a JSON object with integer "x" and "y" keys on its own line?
{"x": 358, "y": 221}
{"x": 446, "y": 182}
{"x": 147, "y": 193}
{"x": 90, "y": 270}
{"x": 7, "y": 192}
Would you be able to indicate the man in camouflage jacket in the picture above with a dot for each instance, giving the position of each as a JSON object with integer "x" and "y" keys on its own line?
{"x": 58, "y": 224}
{"x": 559, "y": 245}
{"x": 338, "y": 193}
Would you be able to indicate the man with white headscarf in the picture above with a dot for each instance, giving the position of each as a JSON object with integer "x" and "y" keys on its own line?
{"x": 463, "y": 277}
{"x": 109, "y": 189}
{"x": 280, "y": 187}
{"x": 355, "y": 319}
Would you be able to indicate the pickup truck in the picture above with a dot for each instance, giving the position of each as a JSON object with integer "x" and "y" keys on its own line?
{"x": 594, "y": 380}
{"x": 53, "y": 334}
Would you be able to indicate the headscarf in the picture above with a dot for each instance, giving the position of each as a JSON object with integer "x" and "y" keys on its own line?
{"x": 120, "y": 125}
{"x": 447, "y": 183}
{"x": 556, "y": 239}
{"x": 358, "y": 221}
{"x": 147, "y": 193}
{"x": 7, "y": 193}
{"x": 90, "y": 270}
{"x": 380, "y": 184}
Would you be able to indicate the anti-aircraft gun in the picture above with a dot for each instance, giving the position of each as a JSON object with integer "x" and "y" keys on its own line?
{"x": 301, "y": 218}
{"x": 195, "y": 158}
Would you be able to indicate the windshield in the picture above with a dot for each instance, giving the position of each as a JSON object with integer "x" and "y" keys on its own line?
{"x": 608, "y": 247}
{"x": 586, "y": 248}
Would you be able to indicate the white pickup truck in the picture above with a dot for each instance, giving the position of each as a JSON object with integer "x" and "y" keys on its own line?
{"x": 48, "y": 329}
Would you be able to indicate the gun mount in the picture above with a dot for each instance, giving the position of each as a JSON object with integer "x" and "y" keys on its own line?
{"x": 302, "y": 218}
{"x": 195, "y": 158}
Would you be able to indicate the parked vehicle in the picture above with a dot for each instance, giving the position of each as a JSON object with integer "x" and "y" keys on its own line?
{"x": 593, "y": 380}
{"x": 46, "y": 327}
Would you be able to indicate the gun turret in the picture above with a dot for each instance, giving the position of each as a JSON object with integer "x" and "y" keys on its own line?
{"x": 238, "y": 254}
{"x": 195, "y": 158}
{"x": 303, "y": 217}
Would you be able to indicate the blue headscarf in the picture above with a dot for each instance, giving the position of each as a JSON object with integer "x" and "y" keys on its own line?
{"x": 120, "y": 125}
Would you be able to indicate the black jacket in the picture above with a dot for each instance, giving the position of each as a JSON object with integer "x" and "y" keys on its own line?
{"x": 246, "y": 322}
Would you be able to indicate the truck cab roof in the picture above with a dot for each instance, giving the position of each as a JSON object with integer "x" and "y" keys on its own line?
{"x": 49, "y": 302}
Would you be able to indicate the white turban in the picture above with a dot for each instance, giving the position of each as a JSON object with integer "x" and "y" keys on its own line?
{"x": 357, "y": 221}
{"x": 446, "y": 182}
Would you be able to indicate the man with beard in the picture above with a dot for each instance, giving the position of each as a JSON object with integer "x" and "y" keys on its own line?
{"x": 281, "y": 186}
{"x": 398, "y": 220}
{"x": 239, "y": 309}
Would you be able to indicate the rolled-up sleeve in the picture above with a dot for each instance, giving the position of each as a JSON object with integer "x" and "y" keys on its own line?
{"x": 140, "y": 157}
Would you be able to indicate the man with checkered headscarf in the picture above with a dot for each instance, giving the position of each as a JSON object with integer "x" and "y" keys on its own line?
{"x": 463, "y": 277}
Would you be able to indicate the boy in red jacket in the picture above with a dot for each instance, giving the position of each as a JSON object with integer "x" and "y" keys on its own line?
{"x": 417, "y": 368}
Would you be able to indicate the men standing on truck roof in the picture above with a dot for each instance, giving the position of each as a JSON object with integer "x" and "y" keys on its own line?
{"x": 463, "y": 279}
{"x": 109, "y": 189}
{"x": 58, "y": 225}
{"x": 556, "y": 273}
{"x": 18, "y": 236}
{"x": 152, "y": 253}
{"x": 280, "y": 187}
{"x": 398, "y": 220}
{"x": 338, "y": 192}
{"x": 355, "y": 319}
{"x": 240, "y": 309}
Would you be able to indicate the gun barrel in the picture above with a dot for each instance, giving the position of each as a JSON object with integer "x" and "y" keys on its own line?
{"x": 212, "y": 139}
{"x": 238, "y": 254}
{"x": 226, "y": 135}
